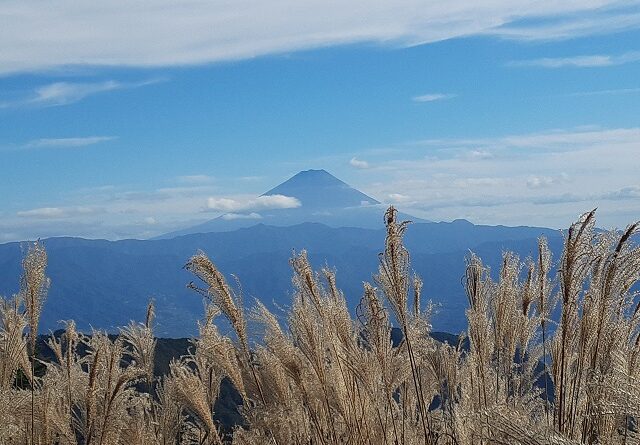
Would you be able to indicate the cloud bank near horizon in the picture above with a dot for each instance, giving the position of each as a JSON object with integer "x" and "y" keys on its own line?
{"x": 545, "y": 178}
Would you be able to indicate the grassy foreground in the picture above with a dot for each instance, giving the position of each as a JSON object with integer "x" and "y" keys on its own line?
{"x": 553, "y": 357}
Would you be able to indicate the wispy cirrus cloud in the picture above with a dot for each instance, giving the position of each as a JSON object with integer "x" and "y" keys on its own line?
{"x": 583, "y": 61}
{"x": 433, "y": 97}
{"x": 544, "y": 178}
{"x": 65, "y": 93}
{"x": 556, "y": 140}
{"x": 609, "y": 17}
{"x": 630, "y": 192}
{"x": 618, "y": 91}
{"x": 58, "y": 143}
{"x": 75, "y": 142}
{"x": 398, "y": 198}
{"x": 58, "y": 212}
{"x": 542, "y": 181}
{"x": 622, "y": 194}
{"x": 36, "y": 37}
{"x": 235, "y": 216}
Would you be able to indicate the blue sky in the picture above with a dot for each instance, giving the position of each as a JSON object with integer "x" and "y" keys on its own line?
{"x": 125, "y": 120}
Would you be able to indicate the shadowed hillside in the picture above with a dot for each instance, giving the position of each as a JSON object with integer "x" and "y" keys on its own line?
{"x": 104, "y": 284}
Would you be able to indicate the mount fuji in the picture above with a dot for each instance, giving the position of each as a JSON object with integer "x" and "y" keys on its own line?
{"x": 319, "y": 197}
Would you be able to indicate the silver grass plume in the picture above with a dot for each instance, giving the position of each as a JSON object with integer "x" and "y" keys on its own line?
{"x": 34, "y": 285}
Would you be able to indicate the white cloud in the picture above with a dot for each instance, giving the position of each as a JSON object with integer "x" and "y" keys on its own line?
{"x": 358, "y": 163}
{"x": 631, "y": 192}
{"x": 478, "y": 182}
{"x": 559, "y": 172}
{"x": 558, "y": 140}
{"x": 111, "y": 212}
{"x": 251, "y": 178}
{"x": 432, "y": 97}
{"x": 590, "y": 61}
{"x": 65, "y": 93}
{"x": 477, "y": 154}
{"x": 609, "y": 18}
{"x": 398, "y": 198}
{"x": 38, "y": 36}
{"x": 564, "y": 198}
{"x": 44, "y": 212}
{"x": 68, "y": 142}
{"x": 536, "y": 181}
{"x": 234, "y": 216}
{"x": 266, "y": 202}
{"x": 57, "y": 212}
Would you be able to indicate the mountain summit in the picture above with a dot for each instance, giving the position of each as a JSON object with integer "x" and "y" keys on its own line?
{"x": 319, "y": 189}
{"x": 323, "y": 199}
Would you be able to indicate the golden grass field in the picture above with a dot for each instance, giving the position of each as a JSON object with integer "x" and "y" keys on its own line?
{"x": 566, "y": 327}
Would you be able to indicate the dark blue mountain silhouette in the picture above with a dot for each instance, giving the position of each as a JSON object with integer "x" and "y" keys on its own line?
{"x": 105, "y": 284}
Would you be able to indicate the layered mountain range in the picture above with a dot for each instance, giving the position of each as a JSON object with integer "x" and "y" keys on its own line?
{"x": 104, "y": 284}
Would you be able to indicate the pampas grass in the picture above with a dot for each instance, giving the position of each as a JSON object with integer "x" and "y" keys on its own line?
{"x": 553, "y": 358}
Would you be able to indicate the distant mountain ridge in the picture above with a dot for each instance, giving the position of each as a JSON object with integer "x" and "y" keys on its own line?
{"x": 105, "y": 284}
{"x": 324, "y": 199}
